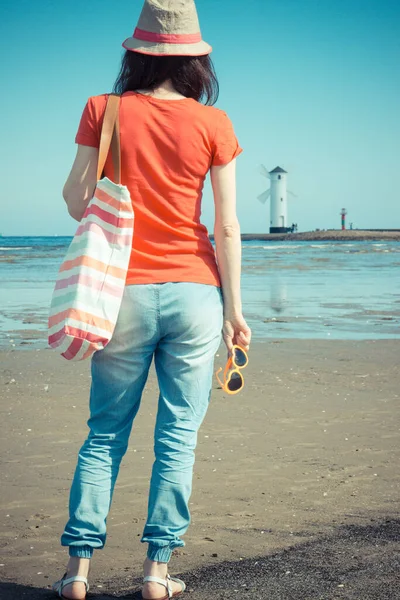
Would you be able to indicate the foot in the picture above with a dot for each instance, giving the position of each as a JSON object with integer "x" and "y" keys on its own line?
{"x": 156, "y": 591}
{"x": 76, "y": 566}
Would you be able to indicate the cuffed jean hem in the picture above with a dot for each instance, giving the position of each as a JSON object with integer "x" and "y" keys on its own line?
{"x": 81, "y": 551}
{"x": 159, "y": 554}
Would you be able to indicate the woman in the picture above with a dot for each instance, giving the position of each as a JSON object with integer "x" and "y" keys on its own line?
{"x": 172, "y": 307}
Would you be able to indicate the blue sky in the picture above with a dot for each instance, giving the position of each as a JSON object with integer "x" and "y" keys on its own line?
{"x": 310, "y": 85}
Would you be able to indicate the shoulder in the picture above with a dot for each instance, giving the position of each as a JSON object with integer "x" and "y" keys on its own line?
{"x": 212, "y": 112}
{"x": 95, "y": 108}
{"x": 214, "y": 119}
{"x": 99, "y": 100}
{"x": 97, "y": 105}
{"x": 91, "y": 121}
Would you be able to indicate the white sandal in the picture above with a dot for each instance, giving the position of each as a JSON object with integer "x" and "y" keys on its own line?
{"x": 165, "y": 583}
{"x": 59, "y": 585}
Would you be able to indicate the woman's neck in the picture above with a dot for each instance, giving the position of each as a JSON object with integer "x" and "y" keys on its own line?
{"x": 166, "y": 90}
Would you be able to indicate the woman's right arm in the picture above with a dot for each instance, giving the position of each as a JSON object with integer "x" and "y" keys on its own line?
{"x": 229, "y": 251}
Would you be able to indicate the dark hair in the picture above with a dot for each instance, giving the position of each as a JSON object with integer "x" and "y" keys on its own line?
{"x": 191, "y": 76}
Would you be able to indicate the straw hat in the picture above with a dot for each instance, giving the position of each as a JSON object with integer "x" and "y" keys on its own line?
{"x": 168, "y": 28}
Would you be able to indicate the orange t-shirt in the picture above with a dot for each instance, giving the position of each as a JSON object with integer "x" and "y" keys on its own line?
{"x": 167, "y": 149}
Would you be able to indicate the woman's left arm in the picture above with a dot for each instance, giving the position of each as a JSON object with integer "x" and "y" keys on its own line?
{"x": 79, "y": 187}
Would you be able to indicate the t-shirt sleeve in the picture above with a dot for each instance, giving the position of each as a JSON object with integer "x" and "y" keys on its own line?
{"x": 89, "y": 127}
{"x": 225, "y": 146}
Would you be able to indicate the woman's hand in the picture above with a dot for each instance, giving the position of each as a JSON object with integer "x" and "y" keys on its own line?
{"x": 236, "y": 331}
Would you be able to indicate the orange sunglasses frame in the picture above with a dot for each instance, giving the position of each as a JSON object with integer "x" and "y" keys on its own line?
{"x": 228, "y": 371}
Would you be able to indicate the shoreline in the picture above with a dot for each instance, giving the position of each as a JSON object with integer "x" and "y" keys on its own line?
{"x": 307, "y": 236}
{"x": 329, "y": 235}
{"x": 291, "y": 288}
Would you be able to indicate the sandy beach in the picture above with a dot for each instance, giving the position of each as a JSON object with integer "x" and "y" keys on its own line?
{"x": 296, "y": 488}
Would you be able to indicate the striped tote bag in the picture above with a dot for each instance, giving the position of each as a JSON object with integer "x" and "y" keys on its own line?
{"x": 91, "y": 280}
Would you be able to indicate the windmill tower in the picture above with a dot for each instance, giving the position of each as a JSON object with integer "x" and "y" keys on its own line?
{"x": 278, "y": 194}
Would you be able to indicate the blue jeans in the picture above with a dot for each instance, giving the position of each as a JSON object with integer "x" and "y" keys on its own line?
{"x": 180, "y": 325}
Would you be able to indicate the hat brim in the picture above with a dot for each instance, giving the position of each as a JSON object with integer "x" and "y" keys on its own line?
{"x": 197, "y": 49}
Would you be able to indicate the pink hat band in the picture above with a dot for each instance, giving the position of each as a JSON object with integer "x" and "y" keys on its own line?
{"x": 167, "y": 38}
{"x": 168, "y": 28}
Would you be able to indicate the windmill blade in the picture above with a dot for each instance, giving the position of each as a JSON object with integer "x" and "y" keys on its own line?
{"x": 264, "y": 196}
{"x": 264, "y": 171}
{"x": 291, "y": 194}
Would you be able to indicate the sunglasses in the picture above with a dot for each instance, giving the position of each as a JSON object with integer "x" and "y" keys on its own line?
{"x": 233, "y": 379}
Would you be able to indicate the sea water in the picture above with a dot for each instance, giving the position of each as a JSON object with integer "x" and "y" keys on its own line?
{"x": 315, "y": 290}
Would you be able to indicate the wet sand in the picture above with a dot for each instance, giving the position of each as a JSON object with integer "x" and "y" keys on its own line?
{"x": 296, "y": 487}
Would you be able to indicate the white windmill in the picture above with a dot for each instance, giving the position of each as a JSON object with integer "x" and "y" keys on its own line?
{"x": 278, "y": 194}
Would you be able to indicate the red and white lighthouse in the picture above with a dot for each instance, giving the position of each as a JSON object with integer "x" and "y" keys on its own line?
{"x": 343, "y": 215}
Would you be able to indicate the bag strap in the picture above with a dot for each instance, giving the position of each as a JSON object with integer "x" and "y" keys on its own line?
{"x": 110, "y": 138}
